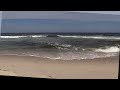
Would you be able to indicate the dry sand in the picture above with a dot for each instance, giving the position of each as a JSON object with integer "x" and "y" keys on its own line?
{"x": 28, "y": 66}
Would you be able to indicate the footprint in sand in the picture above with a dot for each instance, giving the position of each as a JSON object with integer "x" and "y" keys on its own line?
{"x": 7, "y": 72}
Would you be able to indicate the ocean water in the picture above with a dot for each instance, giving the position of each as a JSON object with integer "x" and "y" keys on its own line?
{"x": 64, "y": 46}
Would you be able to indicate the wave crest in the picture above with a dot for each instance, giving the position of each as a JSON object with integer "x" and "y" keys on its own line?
{"x": 92, "y": 37}
{"x": 12, "y": 36}
{"x": 108, "y": 50}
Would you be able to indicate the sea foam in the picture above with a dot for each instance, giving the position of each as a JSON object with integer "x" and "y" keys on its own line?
{"x": 107, "y": 50}
{"x": 12, "y": 36}
{"x": 92, "y": 37}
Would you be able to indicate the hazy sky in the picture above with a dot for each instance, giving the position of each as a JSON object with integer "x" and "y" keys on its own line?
{"x": 0, "y": 20}
{"x": 101, "y": 12}
{"x": 61, "y": 21}
{"x": 74, "y": 15}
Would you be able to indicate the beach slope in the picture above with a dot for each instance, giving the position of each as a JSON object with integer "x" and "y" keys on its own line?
{"x": 28, "y": 66}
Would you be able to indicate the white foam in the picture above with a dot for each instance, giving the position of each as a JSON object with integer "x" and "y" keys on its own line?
{"x": 93, "y": 37}
{"x": 110, "y": 49}
{"x": 65, "y": 45}
{"x": 68, "y": 36}
{"x": 22, "y": 36}
{"x": 67, "y": 55}
{"x": 38, "y": 36}
{"x": 12, "y": 36}
{"x": 101, "y": 37}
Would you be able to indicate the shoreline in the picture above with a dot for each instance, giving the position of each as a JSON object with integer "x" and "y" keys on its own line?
{"x": 30, "y": 66}
{"x": 32, "y": 56}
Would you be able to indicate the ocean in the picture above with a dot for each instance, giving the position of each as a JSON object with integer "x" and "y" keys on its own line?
{"x": 64, "y": 46}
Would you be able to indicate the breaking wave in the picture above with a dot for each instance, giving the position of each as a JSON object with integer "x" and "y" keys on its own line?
{"x": 38, "y": 36}
{"x": 65, "y": 36}
{"x": 33, "y": 36}
{"x": 92, "y": 37}
{"x": 12, "y": 36}
{"x": 108, "y": 50}
{"x": 60, "y": 46}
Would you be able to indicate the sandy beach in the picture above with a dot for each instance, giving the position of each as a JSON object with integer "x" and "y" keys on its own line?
{"x": 29, "y": 66}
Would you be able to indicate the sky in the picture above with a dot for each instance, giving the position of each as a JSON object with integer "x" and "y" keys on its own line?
{"x": 74, "y": 15}
{"x": 101, "y": 12}
{"x": 0, "y": 21}
{"x": 60, "y": 21}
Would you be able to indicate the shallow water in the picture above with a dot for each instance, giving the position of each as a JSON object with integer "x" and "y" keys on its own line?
{"x": 66, "y": 46}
